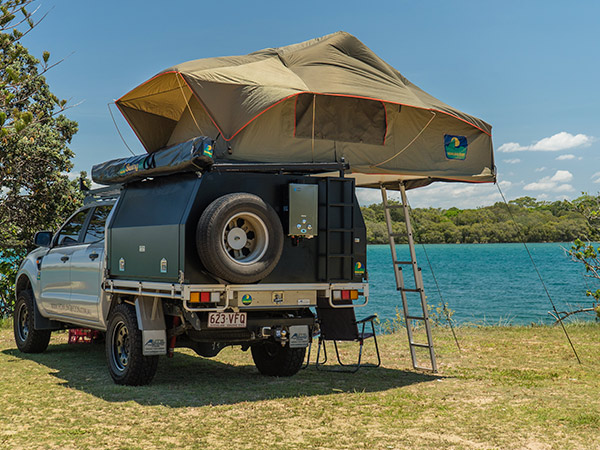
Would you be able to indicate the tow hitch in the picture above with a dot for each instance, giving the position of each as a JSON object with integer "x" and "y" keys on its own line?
{"x": 279, "y": 334}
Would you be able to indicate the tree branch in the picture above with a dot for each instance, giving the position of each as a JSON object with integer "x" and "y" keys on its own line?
{"x": 562, "y": 315}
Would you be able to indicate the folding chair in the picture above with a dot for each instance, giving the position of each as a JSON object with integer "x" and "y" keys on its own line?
{"x": 340, "y": 324}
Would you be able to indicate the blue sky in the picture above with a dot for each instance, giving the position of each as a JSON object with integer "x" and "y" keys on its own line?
{"x": 530, "y": 68}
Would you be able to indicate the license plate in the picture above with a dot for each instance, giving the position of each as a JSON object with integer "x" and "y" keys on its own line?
{"x": 227, "y": 320}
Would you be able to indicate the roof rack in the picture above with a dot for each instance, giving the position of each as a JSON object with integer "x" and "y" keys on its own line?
{"x": 101, "y": 194}
{"x": 319, "y": 167}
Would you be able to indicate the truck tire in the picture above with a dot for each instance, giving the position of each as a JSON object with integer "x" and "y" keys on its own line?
{"x": 126, "y": 362}
{"x": 28, "y": 339}
{"x": 239, "y": 238}
{"x": 273, "y": 360}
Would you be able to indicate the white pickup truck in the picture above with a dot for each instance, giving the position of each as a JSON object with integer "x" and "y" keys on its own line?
{"x": 200, "y": 261}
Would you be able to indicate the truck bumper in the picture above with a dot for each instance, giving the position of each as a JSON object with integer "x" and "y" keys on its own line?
{"x": 222, "y": 297}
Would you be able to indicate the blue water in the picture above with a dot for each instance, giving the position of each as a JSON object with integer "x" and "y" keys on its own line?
{"x": 483, "y": 283}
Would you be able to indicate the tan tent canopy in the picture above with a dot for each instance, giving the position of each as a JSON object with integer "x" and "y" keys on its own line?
{"x": 316, "y": 101}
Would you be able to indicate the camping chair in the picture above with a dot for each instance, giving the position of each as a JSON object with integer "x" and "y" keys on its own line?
{"x": 340, "y": 324}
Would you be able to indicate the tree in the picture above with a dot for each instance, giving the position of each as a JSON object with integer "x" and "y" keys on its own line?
{"x": 524, "y": 202}
{"x": 35, "y": 190}
{"x": 584, "y": 250}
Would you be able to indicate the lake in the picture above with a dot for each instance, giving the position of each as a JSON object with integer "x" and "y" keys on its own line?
{"x": 483, "y": 283}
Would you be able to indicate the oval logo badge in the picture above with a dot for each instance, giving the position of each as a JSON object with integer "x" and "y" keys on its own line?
{"x": 247, "y": 299}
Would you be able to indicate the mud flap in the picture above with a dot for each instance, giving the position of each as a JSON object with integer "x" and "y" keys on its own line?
{"x": 151, "y": 321}
{"x": 299, "y": 336}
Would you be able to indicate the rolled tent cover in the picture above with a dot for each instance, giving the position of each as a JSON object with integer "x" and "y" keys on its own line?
{"x": 191, "y": 156}
{"x": 318, "y": 101}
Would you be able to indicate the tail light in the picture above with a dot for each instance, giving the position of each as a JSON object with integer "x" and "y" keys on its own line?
{"x": 204, "y": 297}
{"x": 346, "y": 294}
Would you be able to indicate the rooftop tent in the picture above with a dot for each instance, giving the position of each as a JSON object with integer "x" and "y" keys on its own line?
{"x": 316, "y": 101}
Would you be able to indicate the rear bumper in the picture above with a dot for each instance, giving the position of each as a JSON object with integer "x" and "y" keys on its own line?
{"x": 245, "y": 297}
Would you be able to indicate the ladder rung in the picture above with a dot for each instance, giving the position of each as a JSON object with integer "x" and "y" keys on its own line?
{"x": 395, "y": 235}
{"x": 405, "y": 262}
{"x": 418, "y": 344}
{"x": 394, "y": 206}
{"x": 409, "y": 289}
{"x": 415, "y": 318}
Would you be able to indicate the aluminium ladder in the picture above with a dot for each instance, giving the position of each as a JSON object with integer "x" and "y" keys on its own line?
{"x": 418, "y": 277}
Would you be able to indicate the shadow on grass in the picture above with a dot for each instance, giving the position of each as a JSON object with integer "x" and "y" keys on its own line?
{"x": 187, "y": 380}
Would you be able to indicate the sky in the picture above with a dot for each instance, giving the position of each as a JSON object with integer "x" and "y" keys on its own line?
{"x": 529, "y": 68}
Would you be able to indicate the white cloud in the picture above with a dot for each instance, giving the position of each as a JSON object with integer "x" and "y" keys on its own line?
{"x": 562, "y": 176}
{"x": 556, "y": 183}
{"x": 510, "y": 147}
{"x": 540, "y": 169}
{"x": 460, "y": 195}
{"x": 596, "y": 177}
{"x": 442, "y": 195}
{"x": 466, "y": 195}
{"x": 71, "y": 175}
{"x": 512, "y": 161}
{"x": 557, "y": 142}
{"x": 75, "y": 176}
{"x": 368, "y": 196}
{"x": 439, "y": 195}
{"x": 565, "y": 157}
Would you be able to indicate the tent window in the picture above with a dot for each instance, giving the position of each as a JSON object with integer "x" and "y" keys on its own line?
{"x": 346, "y": 119}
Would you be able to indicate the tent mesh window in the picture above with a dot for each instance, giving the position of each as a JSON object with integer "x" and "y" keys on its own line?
{"x": 345, "y": 119}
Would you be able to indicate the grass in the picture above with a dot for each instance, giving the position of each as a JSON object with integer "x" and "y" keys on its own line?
{"x": 509, "y": 388}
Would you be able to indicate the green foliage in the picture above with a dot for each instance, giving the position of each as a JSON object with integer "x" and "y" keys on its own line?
{"x": 9, "y": 265}
{"x": 440, "y": 315}
{"x": 588, "y": 255}
{"x": 583, "y": 250}
{"x": 35, "y": 190}
{"x": 559, "y": 221}
{"x": 395, "y": 324}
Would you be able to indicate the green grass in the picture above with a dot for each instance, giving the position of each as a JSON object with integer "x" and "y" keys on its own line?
{"x": 6, "y": 323}
{"x": 510, "y": 388}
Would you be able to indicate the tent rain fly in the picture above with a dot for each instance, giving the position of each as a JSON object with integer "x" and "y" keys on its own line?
{"x": 316, "y": 101}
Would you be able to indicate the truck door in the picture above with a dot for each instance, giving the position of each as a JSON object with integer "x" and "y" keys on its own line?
{"x": 55, "y": 273}
{"x": 86, "y": 267}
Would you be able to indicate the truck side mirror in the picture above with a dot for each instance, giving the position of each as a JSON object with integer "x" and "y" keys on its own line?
{"x": 43, "y": 238}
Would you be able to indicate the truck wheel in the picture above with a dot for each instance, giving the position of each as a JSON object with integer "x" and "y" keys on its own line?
{"x": 28, "y": 339}
{"x": 126, "y": 362}
{"x": 271, "y": 359}
{"x": 239, "y": 238}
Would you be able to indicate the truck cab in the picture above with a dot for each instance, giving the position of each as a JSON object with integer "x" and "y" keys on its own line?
{"x": 69, "y": 272}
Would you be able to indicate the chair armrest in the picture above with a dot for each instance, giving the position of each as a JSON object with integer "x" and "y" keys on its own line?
{"x": 367, "y": 319}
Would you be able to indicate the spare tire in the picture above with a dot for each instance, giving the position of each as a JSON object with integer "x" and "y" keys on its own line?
{"x": 239, "y": 238}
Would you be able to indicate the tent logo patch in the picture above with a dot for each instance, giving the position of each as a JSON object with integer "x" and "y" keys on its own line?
{"x": 128, "y": 168}
{"x": 208, "y": 150}
{"x": 455, "y": 146}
